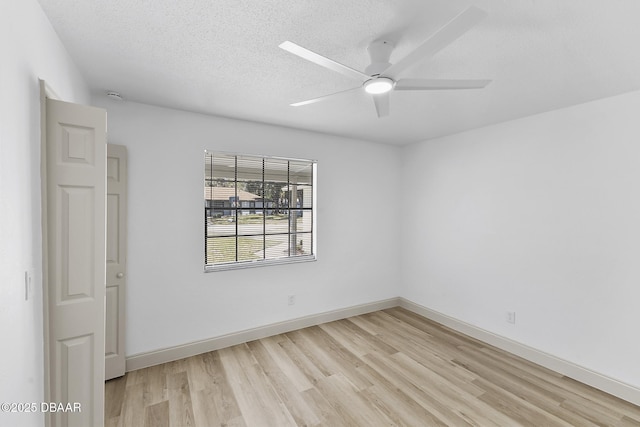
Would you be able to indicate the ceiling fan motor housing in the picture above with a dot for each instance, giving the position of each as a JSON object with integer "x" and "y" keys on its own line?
{"x": 380, "y": 53}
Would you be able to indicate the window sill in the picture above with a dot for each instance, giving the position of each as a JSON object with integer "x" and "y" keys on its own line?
{"x": 258, "y": 263}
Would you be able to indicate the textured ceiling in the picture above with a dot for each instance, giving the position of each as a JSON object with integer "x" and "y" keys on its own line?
{"x": 221, "y": 57}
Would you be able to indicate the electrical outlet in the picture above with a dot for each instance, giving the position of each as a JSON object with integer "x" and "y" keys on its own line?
{"x": 291, "y": 300}
{"x": 511, "y": 317}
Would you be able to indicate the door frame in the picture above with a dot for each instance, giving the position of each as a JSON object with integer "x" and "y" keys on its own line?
{"x": 45, "y": 92}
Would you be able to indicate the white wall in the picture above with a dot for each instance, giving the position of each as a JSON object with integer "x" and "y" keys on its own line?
{"x": 540, "y": 216}
{"x": 170, "y": 301}
{"x": 29, "y": 49}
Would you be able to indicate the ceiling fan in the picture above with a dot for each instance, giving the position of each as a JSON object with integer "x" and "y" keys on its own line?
{"x": 380, "y": 78}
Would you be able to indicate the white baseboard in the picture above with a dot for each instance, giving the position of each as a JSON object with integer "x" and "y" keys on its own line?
{"x": 147, "y": 359}
{"x": 564, "y": 367}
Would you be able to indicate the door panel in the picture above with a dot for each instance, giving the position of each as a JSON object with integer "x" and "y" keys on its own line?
{"x": 77, "y": 220}
{"x": 116, "y": 260}
{"x": 75, "y": 259}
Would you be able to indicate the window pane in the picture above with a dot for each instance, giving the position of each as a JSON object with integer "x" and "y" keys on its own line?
{"x": 222, "y": 215}
{"x": 223, "y": 167}
{"x": 220, "y": 192}
{"x": 277, "y": 224}
{"x": 274, "y": 197}
{"x": 250, "y": 223}
{"x": 277, "y": 247}
{"x": 249, "y": 179}
{"x": 303, "y": 221}
{"x": 276, "y": 170}
{"x": 304, "y": 244}
{"x": 300, "y": 172}
{"x": 221, "y": 223}
{"x": 250, "y": 166}
{"x": 298, "y": 195}
{"x": 250, "y": 248}
{"x": 221, "y": 249}
{"x": 305, "y": 196}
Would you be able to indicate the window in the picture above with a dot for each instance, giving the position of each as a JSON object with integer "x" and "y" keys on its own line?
{"x": 257, "y": 210}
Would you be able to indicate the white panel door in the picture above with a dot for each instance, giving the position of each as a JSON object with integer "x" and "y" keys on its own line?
{"x": 75, "y": 207}
{"x": 116, "y": 260}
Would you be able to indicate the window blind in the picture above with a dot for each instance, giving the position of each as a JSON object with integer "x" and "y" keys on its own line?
{"x": 257, "y": 210}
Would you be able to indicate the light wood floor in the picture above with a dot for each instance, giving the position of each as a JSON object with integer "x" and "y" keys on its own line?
{"x": 386, "y": 368}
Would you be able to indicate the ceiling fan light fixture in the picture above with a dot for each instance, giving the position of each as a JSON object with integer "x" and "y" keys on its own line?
{"x": 379, "y": 85}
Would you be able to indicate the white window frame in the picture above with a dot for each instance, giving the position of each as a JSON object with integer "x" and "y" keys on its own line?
{"x": 234, "y": 265}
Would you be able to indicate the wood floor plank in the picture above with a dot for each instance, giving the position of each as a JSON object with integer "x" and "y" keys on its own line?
{"x": 629, "y": 422}
{"x": 218, "y": 389}
{"x": 449, "y": 336}
{"x": 285, "y": 364}
{"x": 356, "y": 342}
{"x": 395, "y": 403}
{"x": 258, "y": 402}
{"x": 536, "y": 389}
{"x": 283, "y": 386}
{"x": 514, "y": 410}
{"x": 387, "y": 368}
{"x": 441, "y": 414}
{"x": 305, "y": 365}
{"x": 327, "y": 355}
{"x": 528, "y": 393}
{"x": 351, "y": 405}
{"x": 157, "y": 415}
{"x": 311, "y": 353}
{"x": 432, "y": 356}
{"x": 114, "y": 395}
{"x": 513, "y": 381}
{"x": 527, "y": 408}
{"x": 602, "y": 399}
{"x": 180, "y": 406}
{"x": 448, "y": 394}
{"x": 199, "y": 378}
{"x": 132, "y": 406}
{"x": 590, "y": 411}
{"x": 155, "y": 385}
{"x": 341, "y": 358}
{"x": 204, "y": 408}
{"x": 329, "y": 416}
{"x": 371, "y": 341}
{"x": 112, "y": 422}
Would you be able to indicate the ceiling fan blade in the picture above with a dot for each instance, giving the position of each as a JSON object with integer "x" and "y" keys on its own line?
{"x": 439, "y": 84}
{"x": 382, "y": 104}
{"x": 321, "y": 98}
{"x": 443, "y": 37}
{"x": 322, "y": 61}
